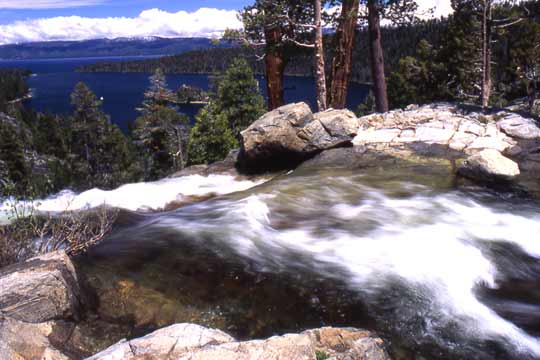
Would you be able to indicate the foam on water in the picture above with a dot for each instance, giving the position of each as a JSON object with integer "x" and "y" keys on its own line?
{"x": 426, "y": 241}
{"x": 138, "y": 196}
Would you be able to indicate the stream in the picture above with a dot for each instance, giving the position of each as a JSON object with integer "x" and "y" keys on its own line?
{"x": 441, "y": 270}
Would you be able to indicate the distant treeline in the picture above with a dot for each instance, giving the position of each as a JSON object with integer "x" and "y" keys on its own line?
{"x": 398, "y": 42}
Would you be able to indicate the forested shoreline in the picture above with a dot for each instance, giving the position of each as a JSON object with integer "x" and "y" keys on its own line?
{"x": 399, "y": 42}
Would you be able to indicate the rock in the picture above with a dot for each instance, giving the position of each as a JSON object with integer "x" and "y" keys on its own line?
{"x": 193, "y": 342}
{"x": 19, "y": 340}
{"x": 41, "y": 289}
{"x": 290, "y": 134}
{"x": 345, "y": 344}
{"x": 333, "y": 128}
{"x": 286, "y": 347}
{"x": 489, "y": 165}
{"x": 170, "y": 342}
{"x": 519, "y": 127}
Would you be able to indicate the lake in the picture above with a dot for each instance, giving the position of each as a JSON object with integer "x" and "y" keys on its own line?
{"x": 53, "y": 81}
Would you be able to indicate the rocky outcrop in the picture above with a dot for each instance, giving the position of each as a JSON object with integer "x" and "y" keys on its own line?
{"x": 489, "y": 165}
{"x": 290, "y": 134}
{"x": 446, "y": 125}
{"x": 41, "y": 289}
{"x": 188, "y": 341}
{"x": 456, "y": 133}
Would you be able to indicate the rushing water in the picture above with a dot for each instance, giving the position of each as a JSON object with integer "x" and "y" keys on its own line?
{"x": 442, "y": 271}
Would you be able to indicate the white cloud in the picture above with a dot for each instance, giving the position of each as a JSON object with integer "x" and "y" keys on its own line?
{"x": 440, "y": 7}
{"x": 47, "y": 4}
{"x": 204, "y": 22}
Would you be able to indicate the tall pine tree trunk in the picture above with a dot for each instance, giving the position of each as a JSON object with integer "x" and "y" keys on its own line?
{"x": 320, "y": 72}
{"x": 486, "y": 53}
{"x": 343, "y": 48}
{"x": 377, "y": 56}
{"x": 275, "y": 67}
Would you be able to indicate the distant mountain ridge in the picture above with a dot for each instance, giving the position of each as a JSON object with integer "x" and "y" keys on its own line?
{"x": 105, "y": 47}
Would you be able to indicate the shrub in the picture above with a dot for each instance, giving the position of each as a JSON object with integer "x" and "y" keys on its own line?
{"x": 30, "y": 233}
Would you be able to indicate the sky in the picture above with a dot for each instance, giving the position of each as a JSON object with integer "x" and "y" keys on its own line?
{"x": 47, "y": 20}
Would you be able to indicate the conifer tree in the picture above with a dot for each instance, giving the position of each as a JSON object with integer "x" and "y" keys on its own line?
{"x": 97, "y": 146}
{"x": 160, "y": 133}
{"x": 238, "y": 96}
{"x": 12, "y": 154}
{"x": 212, "y": 138}
{"x": 236, "y": 104}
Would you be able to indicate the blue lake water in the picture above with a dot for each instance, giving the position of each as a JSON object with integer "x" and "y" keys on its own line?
{"x": 53, "y": 81}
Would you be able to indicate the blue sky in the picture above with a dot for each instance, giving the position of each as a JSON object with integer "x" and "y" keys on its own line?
{"x": 49, "y": 20}
{"x": 130, "y": 8}
{"x": 107, "y": 8}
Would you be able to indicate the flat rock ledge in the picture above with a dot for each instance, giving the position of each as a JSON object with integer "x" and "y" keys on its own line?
{"x": 193, "y": 342}
{"x": 460, "y": 129}
{"x": 487, "y": 148}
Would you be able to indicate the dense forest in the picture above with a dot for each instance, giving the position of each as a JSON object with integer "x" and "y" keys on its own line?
{"x": 45, "y": 153}
{"x": 398, "y": 42}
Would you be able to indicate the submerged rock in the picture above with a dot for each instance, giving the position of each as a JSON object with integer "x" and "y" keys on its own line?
{"x": 489, "y": 165}
{"x": 41, "y": 289}
{"x": 189, "y": 341}
{"x": 290, "y": 134}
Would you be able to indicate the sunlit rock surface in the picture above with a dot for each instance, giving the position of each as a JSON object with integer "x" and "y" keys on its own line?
{"x": 193, "y": 342}
{"x": 41, "y": 289}
{"x": 290, "y": 134}
{"x": 490, "y": 165}
{"x": 456, "y": 132}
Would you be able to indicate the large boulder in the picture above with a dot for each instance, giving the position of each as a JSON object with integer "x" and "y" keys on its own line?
{"x": 41, "y": 289}
{"x": 489, "y": 165}
{"x": 193, "y": 342}
{"x": 290, "y": 134}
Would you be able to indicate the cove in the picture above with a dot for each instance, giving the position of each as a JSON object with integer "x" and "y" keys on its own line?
{"x": 53, "y": 81}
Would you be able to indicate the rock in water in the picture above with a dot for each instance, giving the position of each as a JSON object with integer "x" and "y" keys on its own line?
{"x": 171, "y": 342}
{"x": 519, "y": 127}
{"x": 489, "y": 165}
{"x": 189, "y": 341}
{"x": 41, "y": 289}
{"x": 290, "y": 134}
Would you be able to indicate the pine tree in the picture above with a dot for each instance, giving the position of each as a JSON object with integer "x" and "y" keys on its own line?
{"x": 160, "y": 133}
{"x": 12, "y": 154}
{"x": 158, "y": 94}
{"x": 238, "y": 96}
{"x": 420, "y": 79}
{"x": 95, "y": 163}
{"x": 211, "y": 139}
{"x": 236, "y": 104}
